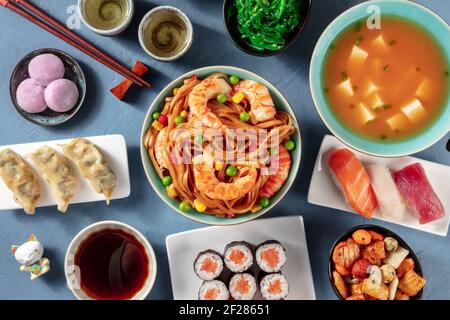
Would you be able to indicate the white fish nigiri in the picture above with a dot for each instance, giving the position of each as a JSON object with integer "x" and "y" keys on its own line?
{"x": 390, "y": 201}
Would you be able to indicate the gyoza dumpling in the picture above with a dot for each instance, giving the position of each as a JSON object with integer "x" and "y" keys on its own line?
{"x": 57, "y": 170}
{"x": 93, "y": 165}
{"x": 20, "y": 178}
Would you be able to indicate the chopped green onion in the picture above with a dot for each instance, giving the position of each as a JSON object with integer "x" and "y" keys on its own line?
{"x": 383, "y": 137}
{"x": 392, "y": 42}
{"x": 344, "y": 75}
{"x": 387, "y": 106}
{"x": 359, "y": 40}
{"x": 387, "y": 68}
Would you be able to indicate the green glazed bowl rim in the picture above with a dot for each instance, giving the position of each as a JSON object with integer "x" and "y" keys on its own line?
{"x": 153, "y": 178}
{"x": 404, "y": 9}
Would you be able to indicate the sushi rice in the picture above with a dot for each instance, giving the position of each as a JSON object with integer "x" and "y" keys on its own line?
{"x": 213, "y": 290}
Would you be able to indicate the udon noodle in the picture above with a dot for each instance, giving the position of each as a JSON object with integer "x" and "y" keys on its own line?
{"x": 180, "y": 143}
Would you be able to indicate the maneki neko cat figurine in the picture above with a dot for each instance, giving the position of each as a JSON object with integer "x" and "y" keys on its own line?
{"x": 29, "y": 255}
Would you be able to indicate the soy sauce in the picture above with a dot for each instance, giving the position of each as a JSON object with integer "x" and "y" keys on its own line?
{"x": 113, "y": 265}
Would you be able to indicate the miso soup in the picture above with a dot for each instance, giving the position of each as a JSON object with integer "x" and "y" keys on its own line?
{"x": 386, "y": 84}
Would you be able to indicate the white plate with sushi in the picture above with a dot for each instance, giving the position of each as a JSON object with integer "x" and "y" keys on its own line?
{"x": 113, "y": 158}
{"x": 416, "y": 195}
{"x": 185, "y": 248}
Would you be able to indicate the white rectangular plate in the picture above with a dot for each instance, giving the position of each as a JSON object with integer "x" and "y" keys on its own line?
{"x": 323, "y": 190}
{"x": 113, "y": 148}
{"x": 183, "y": 248}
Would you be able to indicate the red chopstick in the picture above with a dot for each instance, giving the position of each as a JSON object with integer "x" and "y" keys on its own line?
{"x": 81, "y": 45}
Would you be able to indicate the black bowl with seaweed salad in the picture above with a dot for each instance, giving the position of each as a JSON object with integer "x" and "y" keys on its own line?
{"x": 265, "y": 27}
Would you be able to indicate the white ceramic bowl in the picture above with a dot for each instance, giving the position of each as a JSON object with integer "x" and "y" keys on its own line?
{"x": 72, "y": 276}
{"x": 108, "y": 32}
{"x": 170, "y": 10}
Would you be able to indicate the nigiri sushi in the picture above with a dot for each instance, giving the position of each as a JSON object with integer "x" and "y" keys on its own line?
{"x": 390, "y": 201}
{"x": 354, "y": 181}
{"x": 413, "y": 184}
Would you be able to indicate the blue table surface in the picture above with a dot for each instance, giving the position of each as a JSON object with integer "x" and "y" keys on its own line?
{"x": 102, "y": 114}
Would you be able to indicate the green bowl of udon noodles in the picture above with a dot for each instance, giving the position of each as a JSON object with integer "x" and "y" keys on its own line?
{"x": 184, "y": 180}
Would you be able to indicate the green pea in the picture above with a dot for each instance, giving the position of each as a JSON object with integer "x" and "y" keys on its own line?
{"x": 289, "y": 145}
{"x": 156, "y": 115}
{"x": 184, "y": 206}
{"x": 244, "y": 116}
{"x": 234, "y": 80}
{"x": 167, "y": 181}
{"x": 199, "y": 139}
{"x": 231, "y": 171}
{"x": 222, "y": 98}
{"x": 179, "y": 120}
{"x": 264, "y": 202}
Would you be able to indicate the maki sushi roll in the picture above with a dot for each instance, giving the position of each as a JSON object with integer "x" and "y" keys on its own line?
{"x": 270, "y": 256}
{"x": 274, "y": 286}
{"x": 242, "y": 286}
{"x": 213, "y": 290}
{"x": 208, "y": 265}
{"x": 238, "y": 256}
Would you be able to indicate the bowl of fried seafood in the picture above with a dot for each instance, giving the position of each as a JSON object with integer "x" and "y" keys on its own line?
{"x": 220, "y": 145}
{"x": 369, "y": 262}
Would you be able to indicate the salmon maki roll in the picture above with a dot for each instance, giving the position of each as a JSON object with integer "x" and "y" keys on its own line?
{"x": 238, "y": 256}
{"x": 270, "y": 256}
{"x": 243, "y": 286}
{"x": 274, "y": 286}
{"x": 354, "y": 181}
{"x": 213, "y": 290}
{"x": 208, "y": 265}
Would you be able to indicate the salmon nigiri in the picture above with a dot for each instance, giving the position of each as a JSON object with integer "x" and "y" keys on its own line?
{"x": 354, "y": 182}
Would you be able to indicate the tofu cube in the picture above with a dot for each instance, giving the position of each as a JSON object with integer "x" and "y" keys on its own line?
{"x": 414, "y": 110}
{"x": 358, "y": 56}
{"x": 347, "y": 88}
{"x": 397, "y": 122}
{"x": 425, "y": 89}
{"x": 375, "y": 102}
{"x": 365, "y": 113}
{"x": 380, "y": 44}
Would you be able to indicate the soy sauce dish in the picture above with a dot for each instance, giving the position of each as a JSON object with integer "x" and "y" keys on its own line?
{"x": 265, "y": 28}
{"x": 47, "y": 87}
{"x": 110, "y": 260}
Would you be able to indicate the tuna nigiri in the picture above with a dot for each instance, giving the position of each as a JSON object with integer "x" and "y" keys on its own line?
{"x": 390, "y": 201}
{"x": 413, "y": 184}
{"x": 354, "y": 182}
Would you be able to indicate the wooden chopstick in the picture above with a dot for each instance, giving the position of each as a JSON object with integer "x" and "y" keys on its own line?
{"x": 82, "y": 45}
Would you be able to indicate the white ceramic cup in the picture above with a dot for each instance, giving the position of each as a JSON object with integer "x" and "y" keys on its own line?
{"x": 171, "y": 10}
{"x": 72, "y": 274}
{"x": 108, "y": 32}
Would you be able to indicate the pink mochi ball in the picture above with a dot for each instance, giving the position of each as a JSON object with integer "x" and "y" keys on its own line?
{"x": 45, "y": 68}
{"x": 30, "y": 96}
{"x": 61, "y": 95}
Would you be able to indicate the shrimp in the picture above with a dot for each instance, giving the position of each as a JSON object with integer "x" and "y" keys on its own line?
{"x": 201, "y": 94}
{"x": 207, "y": 182}
{"x": 160, "y": 147}
{"x": 261, "y": 103}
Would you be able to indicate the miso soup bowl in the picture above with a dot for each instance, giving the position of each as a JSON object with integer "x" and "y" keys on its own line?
{"x": 72, "y": 273}
{"x": 407, "y": 10}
